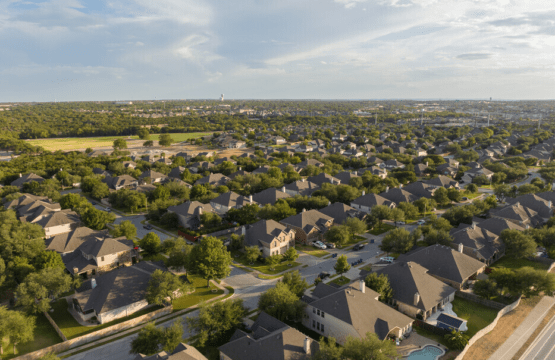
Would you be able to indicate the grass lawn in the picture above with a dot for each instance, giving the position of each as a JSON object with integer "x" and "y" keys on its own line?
{"x": 380, "y": 229}
{"x": 478, "y": 316}
{"x": 341, "y": 281}
{"x": 68, "y": 144}
{"x": 44, "y": 336}
{"x": 262, "y": 267}
{"x": 367, "y": 267}
{"x": 311, "y": 250}
{"x": 72, "y": 329}
{"x": 355, "y": 239}
{"x": 154, "y": 257}
{"x": 512, "y": 263}
{"x": 202, "y": 293}
{"x": 170, "y": 230}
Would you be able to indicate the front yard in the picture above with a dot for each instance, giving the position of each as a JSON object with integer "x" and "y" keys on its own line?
{"x": 240, "y": 258}
{"x": 342, "y": 280}
{"x": 380, "y": 229}
{"x": 311, "y": 250}
{"x": 202, "y": 293}
{"x": 512, "y": 263}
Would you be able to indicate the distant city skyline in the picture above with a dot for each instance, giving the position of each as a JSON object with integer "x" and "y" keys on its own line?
{"x": 96, "y": 50}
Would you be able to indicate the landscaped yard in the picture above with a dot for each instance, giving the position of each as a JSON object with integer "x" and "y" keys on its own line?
{"x": 155, "y": 257}
{"x": 202, "y": 293}
{"x": 341, "y": 281}
{"x": 512, "y": 263}
{"x": 311, "y": 250}
{"x": 470, "y": 195}
{"x": 477, "y": 315}
{"x": 44, "y": 336}
{"x": 240, "y": 258}
{"x": 380, "y": 229}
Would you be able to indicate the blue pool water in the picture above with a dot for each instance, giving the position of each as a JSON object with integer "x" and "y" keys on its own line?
{"x": 429, "y": 352}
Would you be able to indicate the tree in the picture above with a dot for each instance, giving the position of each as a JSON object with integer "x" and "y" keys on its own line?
{"x": 2, "y": 272}
{"x": 438, "y": 237}
{"x": 289, "y": 255}
{"x": 472, "y": 188}
{"x": 163, "y": 285}
{"x": 171, "y": 336}
{"x": 369, "y": 348}
{"x": 148, "y": 143}
{"x": 397, "y": 215}
{"x": 252, "y": 253}
{"x": 237, "y": 241}
{"x": 215, "y": 320}
{"x": 410, "y": 210}
{"x": 338, "y": 234}
{"x": 441, "y": 196}
{"x": 381, "y": 212}
{"x": 380, "y": 284}
{"x": 46, "y": 259}
{"x": 456, "y": 340}
{"x": 486, "y": 288}
{"x": 161, "y": 192}
{"x": 180, "y": 254}
{"x": 398, "y": 241}
{"x": 165, "y": 140}
{"x": 94, "y": 218}
{"x": 21, "y": 328}
{"x": 328, "y": 350}
{"x": 150, "y": 243}
{"x": 281, "y": 303}
{"x": 245, "y": 215}
{"x": 342, "y": 265}
{"x": 100, "y": 191}
{"x": 518, "y": 244}
{"x": 211, "y": 259}
{"x": 454, "y": 195}
{"x": 296, "y": 283}
{"x": 355, "y": 226}
{"x": 33, "y": 293}
{"x": 143, "y": 133}
{"x": 279, "y": 211}
{"x": 210, "y": 220}
{"x": 147, "y": 341}
{"x": 125, "y": 228}
{"x": 120, "y": 144}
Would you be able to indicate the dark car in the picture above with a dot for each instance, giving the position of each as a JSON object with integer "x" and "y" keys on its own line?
{"x": 358, "y": 247}
{"x": 93, "y": 203}
{"x": 109, "y": 210}
{"x": 148, "y": 227}
{"x": 330, "y": 245}
{"x": 323, "y": 275}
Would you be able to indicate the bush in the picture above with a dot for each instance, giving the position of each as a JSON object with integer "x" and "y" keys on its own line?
{"x": 456, "y": 340}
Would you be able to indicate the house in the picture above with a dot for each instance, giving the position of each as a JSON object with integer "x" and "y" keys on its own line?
{"x": 26, "y": 199}
{"x": 120, "y": 182}
{"x": 116, "y": 294}
{"x": 238, "y": 173}
{"x": 181, "y": 352}
{"x": 519, "y": 215}
{"x": 200, "y": 166}
{"x": 415, "y": 291}
{"x": 352, "y": 310}
{"x": 55, "y": 223}
{"x": 367, "y": 202}
{"x": 177, "y": 172}
{"x": 446, "y": 264}
{"x": 129, "y": 164}
{"x": 469, "y": 175}
{"x": 301, "y": 187}
{"x": 346, "y": 176}
{"x": 442, "y": 181}
{"x": 375, "y": 170}
{"x": 478, "y": 243}
{"x": 312, "y": 162}
{"x": 269, "y": 196}
{"x": 447, "y": 170}
{"x": 270, "y": 340}
{"x": 230, "y": 200}
{"x": 101, "y": 172}
{"x": 27, "y": 178}
{"x": 189, "y": 213}
{"x": 323, "y": 178}
{"x": 420, "y": 189}
{"x": 341, "y": 212}
{"x": 398, "y": 195}
{"x": 214, "y": 180}
{"x": 497, "y": 225}
{"x": 261, "y": 169}
{"x": 392, "y": 164}
{"x": 421, "y": 169}
{"x": 152, "y": 177}
{"x": 374, "y": 160}
{"x": 543, "y": 207}
{"x": 270, "y": 236}
{"x": 308, "y": 225}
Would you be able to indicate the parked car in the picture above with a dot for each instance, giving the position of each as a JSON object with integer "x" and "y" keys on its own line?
{"x": 318, "y": 244}
{"x": 108, "y": 209}
{"x": 399, "y": 223}
{"x": 147, "y": 226}
{"x": 388, "y": 259}
{"x": 323, "y": 275}
{"x": 330, "y": 245}
{"x": 358, "y": 247}
{"x": 93, "y": 203}
{"x": 464, "y": 198}
{"x": 420, "y": 222}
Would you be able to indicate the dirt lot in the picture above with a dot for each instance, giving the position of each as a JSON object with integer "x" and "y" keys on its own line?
{"x": 487, "y": 345}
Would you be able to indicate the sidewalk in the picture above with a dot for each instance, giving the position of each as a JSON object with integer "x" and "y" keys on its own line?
{"x": 522, "y": 333}
{"x": 129, "y": 332}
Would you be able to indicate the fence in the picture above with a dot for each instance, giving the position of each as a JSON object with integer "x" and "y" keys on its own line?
{"x": 55, "y": 326}
{"x": 475, "y": 298}
{"x": 85, "y": 339}
{"x": 488, "y": 328}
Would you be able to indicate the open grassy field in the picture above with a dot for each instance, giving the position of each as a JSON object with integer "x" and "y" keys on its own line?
{"x": 68, "y": 144}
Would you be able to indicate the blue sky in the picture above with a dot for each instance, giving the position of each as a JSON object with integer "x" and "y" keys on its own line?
{"x": 306, "y": 49}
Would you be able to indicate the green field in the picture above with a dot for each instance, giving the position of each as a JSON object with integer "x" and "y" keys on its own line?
{"x": 68, "y": 144}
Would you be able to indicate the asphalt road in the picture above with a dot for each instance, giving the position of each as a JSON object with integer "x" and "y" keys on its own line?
{"x": 543, "y": 348}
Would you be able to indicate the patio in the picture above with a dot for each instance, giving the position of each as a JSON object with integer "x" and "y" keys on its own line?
{"x": 415, "y": 342}
{"x": 447, "y": 309}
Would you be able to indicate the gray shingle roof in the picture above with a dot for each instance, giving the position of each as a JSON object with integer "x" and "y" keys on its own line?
{"x": 69, "y": 242}
{"x": 308, "y": 220}
{"x": 269, "y": 196}
{"x": 26, "y": 178}
{"x": 264, "y": 231}
{"x": 371, "y": 200}
{"x": 341, "y": 212}
{"x": 231, "y": 200}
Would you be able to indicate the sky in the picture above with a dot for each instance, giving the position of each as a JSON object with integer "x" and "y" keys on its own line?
{"x": 69, "y": 50}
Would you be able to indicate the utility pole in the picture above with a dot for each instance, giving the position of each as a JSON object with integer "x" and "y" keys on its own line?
{"x": 376, "y": 119}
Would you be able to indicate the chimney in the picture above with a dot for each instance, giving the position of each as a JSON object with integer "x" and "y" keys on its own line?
{"x": 199, "y": 209}
{"x": 550, "y": 204}
{"x": 329, "y": 203}
{"x": 93, "y": 283}
{"x": 426, "y": 163}
{"x": 283, "y": 189}
{"x": 243, "y": 230}
{"x": 362, "y": 286}
{"x": 416, "y": 298}
{"x": 461, "y": 248}
{"x": 75, "y": 270}
{"x": 307, "y": 345}
{"x": 20, "y": 175}
{"x": 250, "y": 198}
{"x": 304, "y": 210}
{"x": 363, "y": 192}
{"x": 239, "y": 168}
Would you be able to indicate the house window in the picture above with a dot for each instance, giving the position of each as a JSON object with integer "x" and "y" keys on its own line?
{"x": 318, "y": 313}
{"x": 314, "y": 310}
{"x": 102, "y": 258}
{"x": 322, "y": 328}
{"x": 318, "y": 326}
{"x": 313, "y": 323}
{"x": 323, "y": 314}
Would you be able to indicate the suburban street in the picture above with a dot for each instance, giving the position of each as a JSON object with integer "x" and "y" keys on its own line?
{"x": 543, "y": 348}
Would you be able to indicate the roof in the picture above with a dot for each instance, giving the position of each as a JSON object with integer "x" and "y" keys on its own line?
{"x": 409, "y": 278}
{"x": 264, "y": 231}
{"x": 231, "y": 200}
{"x": 485, "y": 243}
{"x": 517, "y": 212}
{"x": 190, "y": 208}
{"x": 69, "y": 242}
{"x": 449, "y": 322}
{"x": 22, "y": 179}
{"x": 399, "y": 195}
{"x": 442, "y": 181}
{"x": 535, "y": 202}
{"x": 363, "y": 311}
{"x": 445, "y": 262}
{"x": 152, "y": 174}
{"x": 420, "y": 189}
{"x": 58, "y": 218}
{"x": 302, "y": 187}
{"x": 213, "y": 179}
{"x": 181, "y": 352}
{"x": 341, "y": 212}
{"x": 345, "y": 177}
{"x": 370, "y": 200}
{"x": 309, "y": 220}
{"x": 109, "y": 246}
{"x": 269, "y": 196}
{"x": 323, "y": 178}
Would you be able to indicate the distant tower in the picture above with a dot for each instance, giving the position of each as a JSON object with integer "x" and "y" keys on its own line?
{"x": 222, "y": 97}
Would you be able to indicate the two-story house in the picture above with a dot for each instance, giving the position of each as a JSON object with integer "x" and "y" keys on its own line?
{"x": 270, "y": 236}
{"x": 308, "y": 225}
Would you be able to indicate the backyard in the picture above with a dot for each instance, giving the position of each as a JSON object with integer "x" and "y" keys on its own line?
{"x": 512, "y": 263}
{"x": 262, "y": 267}
{"x": 477, "y": 315}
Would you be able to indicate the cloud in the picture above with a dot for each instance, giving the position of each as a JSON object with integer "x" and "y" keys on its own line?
{"x": 349, "y": 4}
{"x": 181, "y": 11}
{"x": 474, "y": 56}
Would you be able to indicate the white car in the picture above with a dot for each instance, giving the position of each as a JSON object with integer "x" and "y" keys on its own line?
{"x": 319, "y": 245}
{"x": 388, "y": 259}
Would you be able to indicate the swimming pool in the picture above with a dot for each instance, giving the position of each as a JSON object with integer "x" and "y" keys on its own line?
{"x": 429, "y": 352}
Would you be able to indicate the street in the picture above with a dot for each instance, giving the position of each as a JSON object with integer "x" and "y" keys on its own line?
{"x": 543, "y": 348}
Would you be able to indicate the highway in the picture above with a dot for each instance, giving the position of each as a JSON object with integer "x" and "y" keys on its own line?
{"x": 543, "y": 348}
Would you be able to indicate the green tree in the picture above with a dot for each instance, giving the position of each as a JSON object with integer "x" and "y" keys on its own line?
{"x": 125, "y": 228}
{"x": 34, "y": 291}
{"x": 21, "y": 328}
{"x": 161, "y": 192}
{"x": 355, "y": 226}
{"x": 441, "y": 196}
{"x": 342, "y": 265}
{"x": 143, "y": 133}
{"x": 369, "y": 348}
{"x": 381, "y": 212}
{"x": 165, "y": 140}
{"x": 215, "y": 320}
{"x": 147, "y": 341}
{"x": 398, "y": 241}
{"x": 100, "y": 191}
{"x": 120, "y": 144}
{"x": 252, "y": 253}
{"x": 456, "y": 340}
{"x": 210, "y": 220}
{"x": 380, "y": 284}
{"x": 438, "y": 237}
{"x": 245, "y": 215}
{"x": 281, "y": 303}
{"x": 454, "y": 195}
{"x": 279, "y": 211}
{"x": 46, "y": 259}
{"x": 237, "y": 241}
{"x": 328, "y": 350}
{"x": 397, "y": 215}
{"x": 171, "y": 336}
{"x": 150, "y": 243}
{"x": 148, "y": 143}
{"x": 296, "y": 283}
{"x": 338, "y": 234}
{"x": 518, "y": 244}
{"x": 162, "y": 286}
{"x": 410, "y": 210}
{"x": 472, "y": 188}
{"x": 211, "y": 259}
{"x": 180, "y": 255}
{"x": 486, "y": 288}
{"x": 290, "y": 255}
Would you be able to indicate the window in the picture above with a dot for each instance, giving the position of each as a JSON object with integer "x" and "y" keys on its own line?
{"x": 323, "y": 314}
{"x": 102, "y": 258}
{"x": 318, "y": 313}
{"x": 314, "y": 310}
{"x": 318, "y": 326}
{"x": 313, "y": 323}
{"x": 322, "y": 328}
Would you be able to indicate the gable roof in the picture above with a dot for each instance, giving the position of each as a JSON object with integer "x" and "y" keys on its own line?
{"x": 22, "y": 179}
{"x": 264, "y": 231}
{"x": 231, "y": 199}
{"x": 69, "y": 242}
{"x": 269, "y": 196}
{"x": 308, "y": 220}
{"x": 341, "y": 212}
{"x": 484, "y": 242}
{"x": 399, "y": 195}
{"x": 370, "y": 200}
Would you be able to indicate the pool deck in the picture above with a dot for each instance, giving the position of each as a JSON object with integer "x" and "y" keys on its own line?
{"x": 416, "y": 342}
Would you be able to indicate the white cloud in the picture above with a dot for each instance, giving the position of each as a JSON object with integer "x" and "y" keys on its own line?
{"x": 349, "y": 4}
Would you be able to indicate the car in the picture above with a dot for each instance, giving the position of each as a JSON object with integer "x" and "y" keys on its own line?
{"x": 461, "y": 181}
{"x": 420, "y": 222}
{"x": 93, "y": 203}
{"x": 399, "y": 223}
{"x": 464, "y": 198}
{"x": 320, "y": 245}
{"x": 388, "y": 259}
{"x": 358, "y": 247}
{"x": 108, "y": 210}
{"x": 330, "y": 245}
{"x": 148, "y": 227}
{"x": 323, "y": 275}
{"x": 529, "y": 174}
